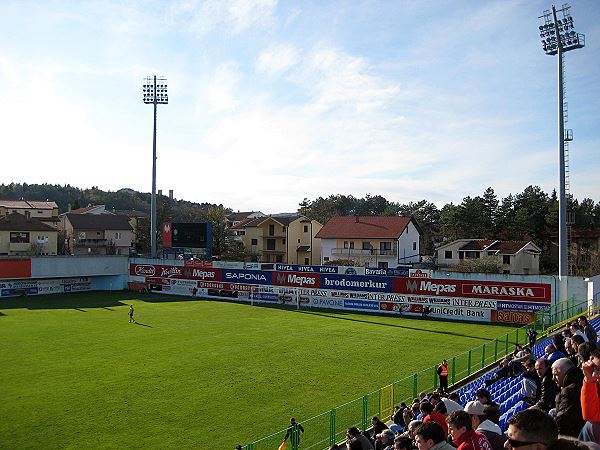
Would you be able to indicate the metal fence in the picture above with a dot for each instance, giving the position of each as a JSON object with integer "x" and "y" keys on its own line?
{"x": 330, "y": 427}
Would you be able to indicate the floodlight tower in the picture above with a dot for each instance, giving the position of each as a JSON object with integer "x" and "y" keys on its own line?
{"x": 154, "y": 94}
{"x": 558, "y": 36}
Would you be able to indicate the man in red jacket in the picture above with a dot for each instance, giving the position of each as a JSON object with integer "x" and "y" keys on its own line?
{"x": 464, "y": 437}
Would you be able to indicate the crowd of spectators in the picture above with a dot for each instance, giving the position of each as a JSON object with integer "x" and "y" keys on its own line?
{"x": 561, "y": 391}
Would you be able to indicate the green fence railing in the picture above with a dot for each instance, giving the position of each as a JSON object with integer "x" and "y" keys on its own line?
{"x": 330, "y": 427}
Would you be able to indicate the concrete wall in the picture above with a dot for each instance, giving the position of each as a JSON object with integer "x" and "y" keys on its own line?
{"x": 78, "y": 266}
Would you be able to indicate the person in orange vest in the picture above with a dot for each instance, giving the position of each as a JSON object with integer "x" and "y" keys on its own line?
{"x": 442, "y": 372}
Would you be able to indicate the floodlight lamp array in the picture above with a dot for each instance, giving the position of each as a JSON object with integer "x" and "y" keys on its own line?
{"x": 159, "y": 93}
{"x": 569, "y": 39}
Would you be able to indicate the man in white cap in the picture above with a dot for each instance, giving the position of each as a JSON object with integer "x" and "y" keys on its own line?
{"x": 484, "y": 426}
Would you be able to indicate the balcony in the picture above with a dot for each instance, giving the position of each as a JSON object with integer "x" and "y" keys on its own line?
{"x": 91, "y": 242}
{"x": 19, "y": 246}
{"x": 361, "y": 252}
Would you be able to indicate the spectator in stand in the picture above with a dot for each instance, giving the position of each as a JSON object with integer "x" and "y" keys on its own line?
{"x": 449, "y": 404}
{"x": 568, "y": 401}
{"x": 455, "y": 398}
{"x": 531, "y": 336}
{"x": 410, "y": 429}
{"x": 492, "y": 409}
{"x": 577, "y": 330}
{"x": 588, "y": 330}
{"x": 398, "y": 416}
{"x": 548, "y": 388}
{"x": 576, "y": 341}
{"x": 354, "y": 434}
{"x": 463, "y": 435}
{"x": 378, "y": 427}
{"x": 441, "y": 408}
{"x": 552, "y": 354}
{"x": 558, "y": 341}
{"x": 403, "y": 443}
{"x": 385, "y": 440}
{"x": 590, "y": 398}
{"x": 430, "y": 415}
{"x": 530, "y": 385}
{"x": 503, "y": 371}
{"x": 584, "y": 352}
{"x": 565, "y": 443}
{"x": 353, "y": 445}
{"x": 430, "y": 436}
{"x": 484, "y": 426}
{"x": 531, "y": 429}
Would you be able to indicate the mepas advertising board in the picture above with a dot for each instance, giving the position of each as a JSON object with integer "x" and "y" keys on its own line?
{"x": 445, "y": 298}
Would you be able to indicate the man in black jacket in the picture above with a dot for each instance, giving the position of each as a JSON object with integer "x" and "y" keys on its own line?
{"x": 588, "y": 330}
{"x": 548, "y": 388}
{"x": 568, "y": 403}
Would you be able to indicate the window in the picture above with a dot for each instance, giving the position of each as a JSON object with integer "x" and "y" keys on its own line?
{"x": 271, "y": 230}
{"x": 382, "y": 265}
{"x": 346, "y": 244}
{"x": 17, "y": 237}
{"x": 351, "y": 244}
{"x": 367, "y": 246}
{"x": 448, "y": 254}
{"x": 306, "y": 228}
{"x": 40, "y": 212}
{"x": 326, "y": 258}
{"x": 414, "y": 245}
{"x": 283, "y": 241}
{"x": 279, "y": 258}
{"x": 254, "y": 242}
{"x": 270, "y": 244}
{"x": 491, "y": 253}
{"x": 241, "y": 233}
{"x": 383, "y": 246}
{"x": 298, "y": 241}
{"x": 505, "y": 259}
{"x": 42, "y": 239}
{"x": 283, "y": 229}
{"x": 306, "y": 262}
{"x": 118, "y": 235}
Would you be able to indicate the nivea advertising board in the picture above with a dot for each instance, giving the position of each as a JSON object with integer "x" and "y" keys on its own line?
{"x": 300, "y": 268}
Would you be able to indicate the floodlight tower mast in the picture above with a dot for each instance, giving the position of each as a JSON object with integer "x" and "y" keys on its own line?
{"x": 558, "y": 36}
{"x": 154, "y": 94}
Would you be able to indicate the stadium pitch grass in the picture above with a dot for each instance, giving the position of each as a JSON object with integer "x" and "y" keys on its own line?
{"x": 194, "y": 373}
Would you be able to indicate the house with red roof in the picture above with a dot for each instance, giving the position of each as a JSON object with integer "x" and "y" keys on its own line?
{"x": 371, "y": 241}
{"x": 514, "y": 257}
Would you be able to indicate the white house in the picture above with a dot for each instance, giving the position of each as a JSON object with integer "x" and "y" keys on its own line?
{"x": 371, "y": 241}
{"x": 514, "y": 257}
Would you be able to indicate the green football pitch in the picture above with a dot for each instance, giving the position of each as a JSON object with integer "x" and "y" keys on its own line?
{"x": 194, "y": 373}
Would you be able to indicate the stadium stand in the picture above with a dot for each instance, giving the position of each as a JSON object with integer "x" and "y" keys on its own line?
{"x": 506, "y": 390}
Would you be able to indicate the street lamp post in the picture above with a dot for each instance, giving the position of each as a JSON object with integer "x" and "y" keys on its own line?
{"x": 558, "y": 36}
{"x": 155, "y": 93}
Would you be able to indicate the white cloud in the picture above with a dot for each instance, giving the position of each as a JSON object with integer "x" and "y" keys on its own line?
{"x": 221, "y": 90}
{"x": 339, "y": 79}
{"x": 210, "y": 15}
{"x": 277, "y": 59}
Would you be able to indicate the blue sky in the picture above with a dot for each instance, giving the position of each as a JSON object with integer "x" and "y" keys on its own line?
{"x": 274, "y": 101}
